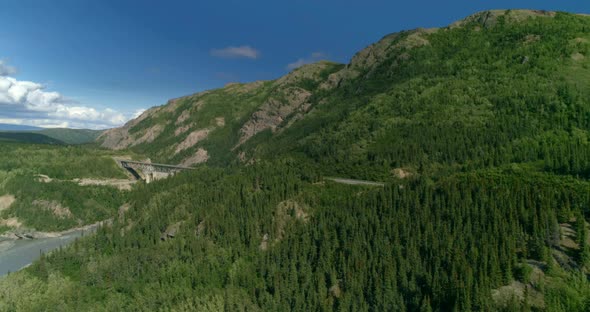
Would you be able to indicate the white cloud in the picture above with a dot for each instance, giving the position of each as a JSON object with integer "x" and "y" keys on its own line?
{"x": 236, "y": 52}
{"x": 5, "y": 69}
{"x": 314, "y": 57}
{"x": 27, "y": 102}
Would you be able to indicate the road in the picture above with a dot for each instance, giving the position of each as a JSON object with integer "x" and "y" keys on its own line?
{"x": 354, "y": 182}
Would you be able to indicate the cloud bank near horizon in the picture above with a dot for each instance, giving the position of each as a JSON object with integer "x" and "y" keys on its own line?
{"x": 28, "y": 103}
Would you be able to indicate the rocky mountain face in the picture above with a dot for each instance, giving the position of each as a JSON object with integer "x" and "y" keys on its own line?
{"x": 182, "y": 126}
{"x": 237, "y": 122}
{"x": 233, "y": 114}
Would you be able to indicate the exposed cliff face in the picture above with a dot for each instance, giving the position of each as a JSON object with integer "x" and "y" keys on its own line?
{"x": 192, "y": 139}
{"x": 184, "y": 126}
{"x": 129, "y": 135}
{"x": 290, "y": 96}
{"x": 272, "y": 113}
{"x": 121, "y": 138}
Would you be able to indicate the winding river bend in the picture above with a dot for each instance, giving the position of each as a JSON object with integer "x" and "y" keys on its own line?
{"x": 17, "y": 254}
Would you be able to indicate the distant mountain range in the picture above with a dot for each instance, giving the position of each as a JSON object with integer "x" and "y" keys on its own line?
{"x": 9, "y": 127}
{"x": 31, "y": 134}
{"x": 72, "y": 136}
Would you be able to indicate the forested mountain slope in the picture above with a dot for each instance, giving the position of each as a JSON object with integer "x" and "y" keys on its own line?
{"x": 72, "y": 136}
{"x": 212, "y": 125}
{"x": 55, "y": 187}
{"x": 27, "y": 137}
{"x": 479, "y": 131}
{"x": 57, "y": 136}
{"x": 495, "y": 88}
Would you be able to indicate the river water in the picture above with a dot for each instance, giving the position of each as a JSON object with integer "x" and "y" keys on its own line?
{"x": 16, "y": 254}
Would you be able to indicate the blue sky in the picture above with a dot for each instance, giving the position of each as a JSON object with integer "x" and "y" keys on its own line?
{"x": 96, "y": 63}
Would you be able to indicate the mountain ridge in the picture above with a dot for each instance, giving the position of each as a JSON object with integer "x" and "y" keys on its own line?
{"x": 218, "y": 126}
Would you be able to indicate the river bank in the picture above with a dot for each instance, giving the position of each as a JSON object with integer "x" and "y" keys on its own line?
{"x": 32, "y": 234}
{"x": 18, "y": 253}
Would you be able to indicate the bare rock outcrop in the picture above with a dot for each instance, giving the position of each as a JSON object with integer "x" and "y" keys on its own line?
{"x": 149, "y": 135}
{"x": 577, "y": 56}
{"x": 264, "y": 243}
{"x": 192, "y": 139}
{"x": 174, "y": 104}
{"x": 200, "y": 156}
{"x": 335, "y": 290}
{"x": 11, "y": 222}
{"x": 182, "y": 129}
{"x": 6, "y": 201}
{"x": 121, "y": 138}
{"x": 183, "y": 117}
{"x": 289, "y": 100}
{"x": 55, "y": 207}
{"x": 274, "y": 111}
{"x": 505, "y": 296}
{"x": 401, "y": 173}
{"x": 171, "y": 231}
{"x": 196, "y": 105}
{"x": 43, "y": 178}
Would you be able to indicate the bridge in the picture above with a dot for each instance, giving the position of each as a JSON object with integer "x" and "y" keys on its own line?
{"x": 150, "y": 171}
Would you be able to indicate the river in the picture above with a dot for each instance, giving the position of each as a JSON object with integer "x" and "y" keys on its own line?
{"x": 17, "y": 254}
